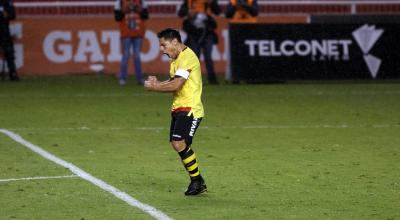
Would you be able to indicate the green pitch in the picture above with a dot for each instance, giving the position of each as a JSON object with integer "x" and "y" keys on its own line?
{"x": 283, "y": 151}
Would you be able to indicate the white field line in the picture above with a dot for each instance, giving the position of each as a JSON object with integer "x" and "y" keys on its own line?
{"x": 87, "y": 176}
{"x": 37, "y": 178}
{"x": 326, "y": 126}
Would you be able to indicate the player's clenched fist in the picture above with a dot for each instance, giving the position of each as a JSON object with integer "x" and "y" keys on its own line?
{"x": 150, "y": 82}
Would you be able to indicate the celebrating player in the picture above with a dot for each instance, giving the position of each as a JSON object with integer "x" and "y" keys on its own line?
{"x": 187, "y": 109}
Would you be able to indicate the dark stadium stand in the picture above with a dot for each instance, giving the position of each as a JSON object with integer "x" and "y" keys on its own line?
{"x": 169, "y": 7}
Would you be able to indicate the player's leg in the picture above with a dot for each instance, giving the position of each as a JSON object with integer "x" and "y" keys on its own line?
{"x": 183, "y": 128}
{"x": 182, "y": 133}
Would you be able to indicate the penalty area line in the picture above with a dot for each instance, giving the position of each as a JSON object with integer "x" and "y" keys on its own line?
{"x": 88, "y": 177}
{"x": 37, "y": 178}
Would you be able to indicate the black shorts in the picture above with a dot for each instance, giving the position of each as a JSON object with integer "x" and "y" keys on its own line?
{"x": 183, "y": 127}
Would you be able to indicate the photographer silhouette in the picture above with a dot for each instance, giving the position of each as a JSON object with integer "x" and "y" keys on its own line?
{"x": 200, "y": 26}
{"x": 238, "y": 11}
{"x": 7, "y": 13}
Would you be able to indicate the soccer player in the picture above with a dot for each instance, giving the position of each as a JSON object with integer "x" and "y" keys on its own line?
{"x": 187, "y": 109}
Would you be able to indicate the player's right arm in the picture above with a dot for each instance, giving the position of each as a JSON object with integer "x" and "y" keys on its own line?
{"x": 172, "y": 85}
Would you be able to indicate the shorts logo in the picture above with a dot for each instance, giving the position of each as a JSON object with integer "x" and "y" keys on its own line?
{"x": 193, "y": 127}
{"x": 177, "y": 136}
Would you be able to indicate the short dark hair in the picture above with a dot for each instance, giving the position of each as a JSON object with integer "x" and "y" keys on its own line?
{"x": 170, "y": 34}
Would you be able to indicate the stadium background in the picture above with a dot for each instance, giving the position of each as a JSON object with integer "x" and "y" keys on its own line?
{"x": 81, "y": 37}
{"x": 296, "y": 150}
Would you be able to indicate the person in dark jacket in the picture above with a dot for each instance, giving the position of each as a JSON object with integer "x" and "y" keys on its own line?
{"x": 200, "y": 25}
{"x": 7, "y": 13}
{"x": 238, "y": 12}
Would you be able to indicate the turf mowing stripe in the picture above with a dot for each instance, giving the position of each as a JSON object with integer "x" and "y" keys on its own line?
{"x": 87, "y": 176}
{"x": 342, "y": 126}
{"x": 214, "y": 94}
{"x": 37, "y": 178}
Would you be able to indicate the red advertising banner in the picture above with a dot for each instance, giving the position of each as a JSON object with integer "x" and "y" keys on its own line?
{"x": 81, "y": 45}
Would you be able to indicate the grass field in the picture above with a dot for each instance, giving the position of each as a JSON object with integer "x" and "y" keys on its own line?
{"x": 280, "y": 151}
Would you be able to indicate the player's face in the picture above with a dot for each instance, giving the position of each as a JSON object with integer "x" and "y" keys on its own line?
{"x": 169, "y": 47}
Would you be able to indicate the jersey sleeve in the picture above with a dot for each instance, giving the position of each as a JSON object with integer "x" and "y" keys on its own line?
{"x": 186, "y": 66}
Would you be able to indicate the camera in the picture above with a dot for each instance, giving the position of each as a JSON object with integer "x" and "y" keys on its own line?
{"x": 1, "y": 12}
{"x": 241, "y": 3}
{"x": 199, "y": 20}
{"x": 132, "y": 7}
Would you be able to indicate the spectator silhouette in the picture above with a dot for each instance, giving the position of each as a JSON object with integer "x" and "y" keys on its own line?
{"x": 200, "y": 26}
{"x": 238, "y": 11}
{"x": 131, "y": 15}
{"x": 7, "y": 13}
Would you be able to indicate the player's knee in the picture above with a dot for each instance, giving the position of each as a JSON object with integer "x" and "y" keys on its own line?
{"x": 178, "y": 145}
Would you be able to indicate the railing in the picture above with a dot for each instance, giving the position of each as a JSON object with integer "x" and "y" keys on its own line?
{"x": 169, "y": 7}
